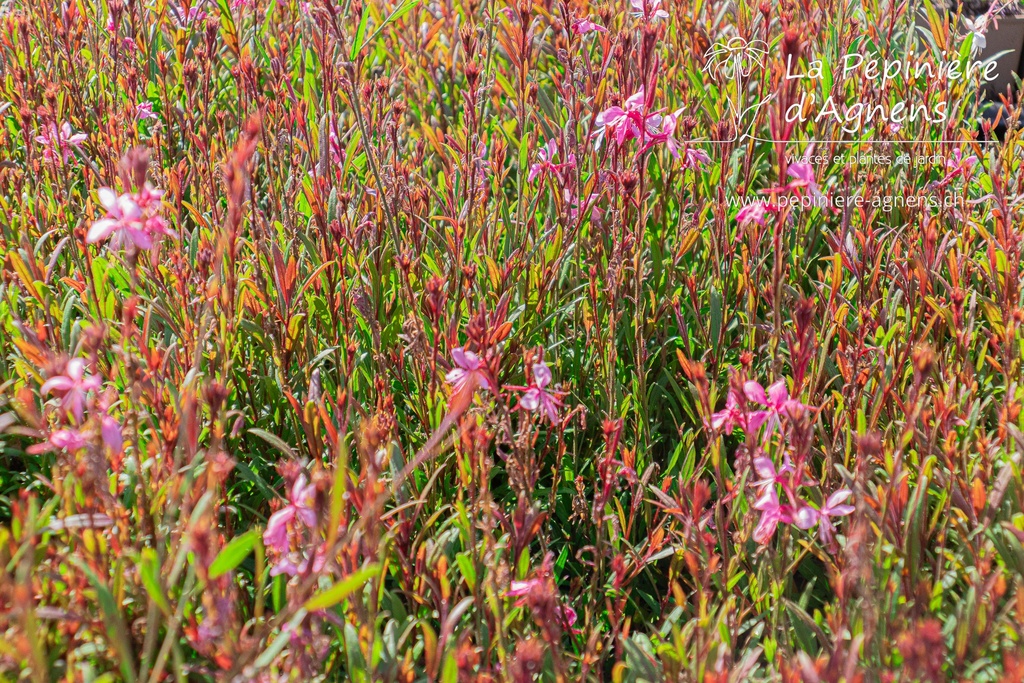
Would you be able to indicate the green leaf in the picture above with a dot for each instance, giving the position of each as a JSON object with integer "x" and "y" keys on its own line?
{"x": 117, "y": 631}
{"x": 149, "y": 570}
{"x": 341, "y": 590}
{"x": 274, "y": 441}
{"x": 233, "y": 553}
{"x": 357, "y": 42}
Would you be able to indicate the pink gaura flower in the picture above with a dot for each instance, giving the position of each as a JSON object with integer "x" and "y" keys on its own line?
{"x": 72, "y": 387}
{"x": 110, "y": 432}
{"x": 537, "y": 398}
{"x": 520, "y": 589}
{"x": 299, "y": 507}
{"x": 752, "y": 213}
{"x": 833, "y": 507}
{"x": 134, "y": 218}
{"x": 648, "y": 10}
{"x": 59, "y": 142}
{"x": 144, "y": 110}
{"x": 629, "y": 122}
{"x": 69, "y": 440}
{"x": 546, "y": 154}
{"x": 777, "y": 401}
{"x": 735, "y": 413}
{"x": 469, "y": 373}
{"x": 583, "y": 26}
{"x": 772, "y": 513}
{"x": 958, "y": 165}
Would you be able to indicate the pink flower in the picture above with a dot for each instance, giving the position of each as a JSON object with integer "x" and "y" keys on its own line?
{"x": 546, "y": 154}
{"x": 694, "y": 158}
{"x": 520, "y": 589}
{"x": 735, "y": 413}
{"x": 194, "y": 13}
{"x": 648, "y": 10}
{"x": 73, "y": 387}
{"x": 537, "y": 398}
{"x": 110, "y": 432}
{"x": 134, "y": 217}
{"x": 772, "y": 513}
{"x": 958, "y": 165}
{"x": 59, "y": 142}
{"x": 69, "y": 440}
{"x": 627, "y": 123}
{"x": 833, "y": 507}
{"x": 752, "y": 213}
{"x": 802, "y": 174}
{"x": 583, "y": 26}
{"x": 144, "y": 110}
{"x": 469, "y": 372}
{"x": 299, "y": 506}
{"x": 776, "y": 399}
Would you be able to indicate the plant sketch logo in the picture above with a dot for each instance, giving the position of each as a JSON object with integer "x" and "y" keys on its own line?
{"x": 735, "y": 60}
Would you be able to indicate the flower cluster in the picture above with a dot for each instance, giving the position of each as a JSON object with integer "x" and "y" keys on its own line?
{"x": 134, "y": 218}
{"x": 285, "y": 533}
{"x": 470, "y": 373}
{"x": 635, "y": 120}
{"x": 59, "y": 142}
{"x": 760, "y": 414}
{"x": 75, "y": 389}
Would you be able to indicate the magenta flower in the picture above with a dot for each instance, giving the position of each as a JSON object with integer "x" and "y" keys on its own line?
{"x": 144, "y": 110}
{"x": 546, "y": 154}
{"x": 735, "y": 414}
{"x": 299, "y": 506}
{"x": 958, "y": 165}
{"x": 627, "y": 123}
{"x": 833, "y": 507}
{"x": 776, "y": 399}
{"x": 802, "y": 174}
{"x": 60, "y": 141}
{"x": 110, "y": 432}
{"x": 537, "y": 398}
{"x": 583, "y": 26}
{"x": 752, "y": 213}
{"x": 69, "y": 440}
{"x": 135, "y": 218}
{"x": 772, "y": 513}
{"x": 72, "y": 387}
{"x": 469, "y": 372}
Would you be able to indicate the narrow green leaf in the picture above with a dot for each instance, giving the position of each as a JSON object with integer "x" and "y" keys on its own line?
{"x": 341, "y": 590}
{"x": 149, "y": 571}
{"x": 233, "y": 553}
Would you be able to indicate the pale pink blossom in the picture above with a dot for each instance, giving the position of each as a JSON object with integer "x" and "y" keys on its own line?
{"x": 134, "y": 218}
{"x": 537, "y": 398}
{"x": 958, "y": 165}
{"x": 777, "y": 401}
{"x": 833, "y": 507}
{"x": 299, "y": 507}
{"x": 735, "y": 413}
{"x": 583, "y": 26}
{"x": 144, "y": 110}
{"x": 772, "y": 514}
{"x": 469, "y": 373}
{"x": 69, "y": 440}
{"x": 752, "y": 213}
{"x": 648, "y": 10}
{"x": 59, "y": 141}
{"x": 546, "y": 155}
{"x": 110, "y": 432}
{"x": 72, "y": 387}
